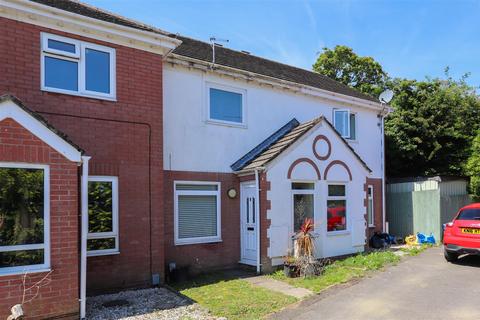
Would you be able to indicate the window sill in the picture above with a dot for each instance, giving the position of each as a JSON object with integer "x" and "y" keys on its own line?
{"x": 192, "y": 242}
{"x": 226, "y": 124}
{"x": 21, "y": 272}
{"x": 355, "y": 141}
{"x": 338, "y": 233}
{"x": 371, "y": 226}
{"x": 99, "y": 254}
{"x": 78, "y": 94}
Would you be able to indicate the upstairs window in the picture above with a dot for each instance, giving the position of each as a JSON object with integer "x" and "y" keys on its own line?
{"x": 226, "y": 105}
{"x": 76, "y": 67}
{"x": 345, "y": 123}
{"x": 102, "y": 215}
{"x": 24, "y": 218}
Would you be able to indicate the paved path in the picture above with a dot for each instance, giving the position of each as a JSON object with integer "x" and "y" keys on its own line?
{"x": 420, "y": 287}
{"x": 279, "y": 286}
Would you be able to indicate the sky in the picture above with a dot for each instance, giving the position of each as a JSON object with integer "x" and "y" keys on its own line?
{"x": 410, "y": 39}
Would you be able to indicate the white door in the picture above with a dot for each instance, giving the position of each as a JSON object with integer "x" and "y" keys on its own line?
{"x": 248, "y": 223}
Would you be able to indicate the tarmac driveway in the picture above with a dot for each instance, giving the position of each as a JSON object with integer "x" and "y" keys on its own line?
{"x": 420, "y": 287}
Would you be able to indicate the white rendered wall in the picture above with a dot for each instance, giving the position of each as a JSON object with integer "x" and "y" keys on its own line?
{"x": 192, "y": 144}
{"x": 281, "y": 199}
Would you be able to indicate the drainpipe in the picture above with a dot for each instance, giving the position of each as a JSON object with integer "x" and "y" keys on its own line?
{"x": 83, "y": 241}
{"x": 383, "y": 174}
{"x": 257, "y": 210}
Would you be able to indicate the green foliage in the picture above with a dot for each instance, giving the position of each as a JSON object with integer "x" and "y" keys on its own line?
{"x": 473, "y": 167}
{"x": 434, "y": 121}
{"x": 342, "y": 271}
{"x": 431, "y": 128}
{"x": 362, "y": 73}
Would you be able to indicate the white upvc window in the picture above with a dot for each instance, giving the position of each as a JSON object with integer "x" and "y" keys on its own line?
{"x": 337, "y": 213}
{"x": 76, "y": 67}
{"x": 370, "y": 207}
{"x": 345, "y": 122}
{"x": 102, "y": 238}
{"x": 303, "y": 194}
{"x": 24, "y": 218}
{"x": 226, "y": 105}
{"x": 197, "y": 213}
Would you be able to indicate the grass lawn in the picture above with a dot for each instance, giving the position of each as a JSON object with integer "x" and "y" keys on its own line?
{"x": 233, "y": 298}
{"x": 342, "y": 270}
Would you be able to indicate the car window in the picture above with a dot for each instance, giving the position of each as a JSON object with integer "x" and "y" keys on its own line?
{"x": 469, "y": 214}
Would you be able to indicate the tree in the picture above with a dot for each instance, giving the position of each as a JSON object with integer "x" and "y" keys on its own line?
{"x": 361, "y": 73}
{"x": 432, "y": 127}
{"x": 473, "y": 167}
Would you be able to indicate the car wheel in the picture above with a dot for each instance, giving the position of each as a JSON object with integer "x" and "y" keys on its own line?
{"x": 450, "y": 256}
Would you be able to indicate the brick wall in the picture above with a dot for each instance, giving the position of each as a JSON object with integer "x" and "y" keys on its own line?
{"x": 124, "y": 138}
{"x": 378, "y": 206}
{"x": 60, "y": 297}
{"x": 208, "y": 256}
{"x": 264, "y": 223}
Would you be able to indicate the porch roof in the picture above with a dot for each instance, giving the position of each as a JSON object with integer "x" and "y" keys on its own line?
{"x": 274, "y": 145}
{"x": 49, "y": 134}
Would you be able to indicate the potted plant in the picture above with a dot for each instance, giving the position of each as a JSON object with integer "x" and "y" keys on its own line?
{"x": 290, "y": 266}
{"x": 304, "y": 249}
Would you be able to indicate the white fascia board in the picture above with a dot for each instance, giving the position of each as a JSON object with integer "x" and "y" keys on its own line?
{"x": 49, "y": 17}
{"x": 345, "y": 100}
{"x": 8, "y": 109}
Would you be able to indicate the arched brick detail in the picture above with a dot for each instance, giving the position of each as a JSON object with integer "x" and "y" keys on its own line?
{"x": 300, "y": 160}
{"x": 337, "y": 162}
{"x": 318, "y": 138}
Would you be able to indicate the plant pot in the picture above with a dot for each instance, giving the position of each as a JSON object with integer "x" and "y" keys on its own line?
{"x": 290, "y": 271}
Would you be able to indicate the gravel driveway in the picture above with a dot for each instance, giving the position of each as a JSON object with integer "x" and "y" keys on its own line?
{"x": 420, "y": 287}
{"x": 156, "y": 303}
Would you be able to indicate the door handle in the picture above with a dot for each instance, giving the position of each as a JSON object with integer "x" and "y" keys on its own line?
{"x": 250, "y": 228}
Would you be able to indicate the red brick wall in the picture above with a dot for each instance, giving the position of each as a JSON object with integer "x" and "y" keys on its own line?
{"x": 124, "y": 138}
{"x": 208, "y": 256}
{"x": 60, "y": 297}
{"x": 377, "y": 204}
{"x": 264, "y": 223}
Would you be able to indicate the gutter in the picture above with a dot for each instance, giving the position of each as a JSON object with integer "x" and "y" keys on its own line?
{"x": 83, "y": 239}
{"x": 274, "y": 82}
{"x": 385, "y": 112}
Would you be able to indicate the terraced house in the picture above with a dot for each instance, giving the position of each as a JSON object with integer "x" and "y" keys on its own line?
{"x": 127, "y": 152}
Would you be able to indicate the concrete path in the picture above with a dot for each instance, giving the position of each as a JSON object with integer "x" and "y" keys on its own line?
{"x": 420, "y": 287}
{"x": 279, "y": 286}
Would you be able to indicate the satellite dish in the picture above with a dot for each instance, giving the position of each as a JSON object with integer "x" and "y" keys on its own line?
{"x": 386, "y": 96}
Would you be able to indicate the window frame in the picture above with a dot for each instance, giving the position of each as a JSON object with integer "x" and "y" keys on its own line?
{"x": 354, "y": 114}
{"x": 345, "y": 197}
{"x": 346, "y": 136}
{"x": 115, "y": 219}
{"x": 46, "y": 225}
{"x": 243, "y": 92}
{"x": 80, "y": 58}
{"x": 370, "y": 197}
{"x": 300, "y": 192}
{"x": 217, "y": 193}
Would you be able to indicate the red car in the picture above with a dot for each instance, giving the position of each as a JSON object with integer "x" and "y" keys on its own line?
{"x": 462, "y": 235}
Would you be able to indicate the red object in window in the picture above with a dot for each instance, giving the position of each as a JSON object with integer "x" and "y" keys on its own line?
{"x": 462, "y": 235}
{"x": 336, "y": 218}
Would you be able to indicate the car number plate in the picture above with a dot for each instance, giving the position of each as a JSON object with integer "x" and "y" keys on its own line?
{"x": 470, "y": 230}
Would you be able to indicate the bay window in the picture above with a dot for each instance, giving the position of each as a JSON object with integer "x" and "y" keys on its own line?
{"x": 24, "y": 218}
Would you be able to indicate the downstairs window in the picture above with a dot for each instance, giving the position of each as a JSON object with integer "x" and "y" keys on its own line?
{"x": 197, "y": 212}
{"x": 24, "y": 218}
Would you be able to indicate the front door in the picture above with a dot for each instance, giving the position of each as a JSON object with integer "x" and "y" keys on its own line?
{"x": 248, "y": 223}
